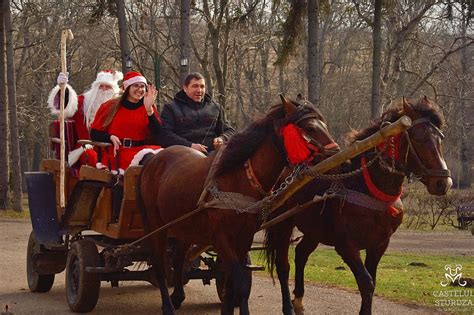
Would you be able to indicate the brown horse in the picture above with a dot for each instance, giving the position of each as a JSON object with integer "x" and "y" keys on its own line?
{"x": 173, "y": 180}
{"x": 358, "y": 216}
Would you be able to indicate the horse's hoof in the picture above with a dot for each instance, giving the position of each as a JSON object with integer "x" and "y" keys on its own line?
{"x": 289, "y": 311}
{"x": 177, "y": 300}
{"x": 298, "y": 306}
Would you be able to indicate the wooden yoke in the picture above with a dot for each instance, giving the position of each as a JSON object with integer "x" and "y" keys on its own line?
{"x": 353, "y": 150}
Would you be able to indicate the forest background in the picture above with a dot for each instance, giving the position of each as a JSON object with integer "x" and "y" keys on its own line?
{"x": 352, "y": 59}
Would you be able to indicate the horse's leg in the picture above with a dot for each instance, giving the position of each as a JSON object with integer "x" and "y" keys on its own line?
{"x": 157, "y": 244}
{"x": 243, "y": 277}
{"x": 236, "y": 282}
{"x": 372, "y": 259}
{"x": 304, "y": 248}
{"x": 281, "y": 243}
{"x": 351, "y": 257}
{"x": 179, "y": 251}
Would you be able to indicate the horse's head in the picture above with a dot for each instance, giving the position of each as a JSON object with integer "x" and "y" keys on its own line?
{"x": 421, "y": 146}
{"x": 305, "y": 134}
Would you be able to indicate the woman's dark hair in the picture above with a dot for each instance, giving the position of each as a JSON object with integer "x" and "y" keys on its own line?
{"x": 193, "y": 76}
{"x": 115, "y": 107}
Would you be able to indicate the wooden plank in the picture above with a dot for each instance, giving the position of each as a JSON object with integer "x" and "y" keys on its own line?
{"x": 92, "y": 173}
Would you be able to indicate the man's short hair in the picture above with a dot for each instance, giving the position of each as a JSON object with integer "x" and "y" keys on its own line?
{"x": 193, "y": 76}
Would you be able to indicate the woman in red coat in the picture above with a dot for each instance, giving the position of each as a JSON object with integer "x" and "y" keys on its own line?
{"x": 126, "y": 122}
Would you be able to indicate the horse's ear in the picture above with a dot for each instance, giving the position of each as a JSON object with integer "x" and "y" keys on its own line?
{"x": 290, "y": 108}
{"x": 407, "y": 109}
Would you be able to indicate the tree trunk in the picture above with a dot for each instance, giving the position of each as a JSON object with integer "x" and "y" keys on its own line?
{"x": 3, "y": 117}
{"x": 376, "y": 58}
{"x": 14, "y": 141}
{"x": 314, "y": 61}
{"x": 465, "y": 180}
{"x": 184, "y": 41}
{"x": 122, "y": 22}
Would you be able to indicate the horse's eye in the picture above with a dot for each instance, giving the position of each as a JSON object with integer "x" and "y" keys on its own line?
{"x": 310, "y": 129}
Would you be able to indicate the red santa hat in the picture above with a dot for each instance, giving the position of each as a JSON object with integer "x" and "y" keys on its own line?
{"x": 133, "y": 77}
{"x": 109, "y": 77}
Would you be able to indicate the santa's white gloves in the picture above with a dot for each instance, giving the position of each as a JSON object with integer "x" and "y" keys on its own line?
{"x": 62, "y": 78}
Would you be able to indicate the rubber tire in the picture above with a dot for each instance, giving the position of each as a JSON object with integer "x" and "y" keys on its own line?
{"x": 36, "y": 282}
{"x": 82, "y": 288}
{"x": 220, "y": 281}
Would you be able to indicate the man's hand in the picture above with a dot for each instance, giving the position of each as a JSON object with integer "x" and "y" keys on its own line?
{"x": 116, "y": 142}
{"x": 199, "y": 147}
{"x": 218, "y": 142}
{"x": 149, "y": 100}
{"x": 62, "y": 78}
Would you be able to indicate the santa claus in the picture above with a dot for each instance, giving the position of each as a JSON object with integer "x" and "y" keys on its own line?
{"x": 82, "y": 109}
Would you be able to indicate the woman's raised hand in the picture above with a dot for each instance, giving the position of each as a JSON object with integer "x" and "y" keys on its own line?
{"x": 150, "y": 97}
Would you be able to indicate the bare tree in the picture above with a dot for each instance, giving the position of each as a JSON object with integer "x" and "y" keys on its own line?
{"x": 122, "y": 22}
{"x": 184, "y": 40}
{"x": 14, "y": 141}
{"x": 3, "y": 118}
{"x": 314, "y": 57}
{"x": 376, "y": 58}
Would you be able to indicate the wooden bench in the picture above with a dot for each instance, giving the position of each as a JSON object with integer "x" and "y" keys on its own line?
{"x": 465, "y": 212}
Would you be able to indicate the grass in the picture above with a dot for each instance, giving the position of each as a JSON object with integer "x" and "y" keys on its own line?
{"x": 397, "y": 280}
{"x": 25, "y": 214}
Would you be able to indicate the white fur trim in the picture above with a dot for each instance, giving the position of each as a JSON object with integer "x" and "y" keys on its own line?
{"x": 139, "y": 156}
{"x": 74, "y": 156}
{"x": 70, "y": 108}
{"x": 101, "y": 166}
{"x": 137, "y": 79}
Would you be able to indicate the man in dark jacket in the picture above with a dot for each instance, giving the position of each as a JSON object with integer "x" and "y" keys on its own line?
{"x": 193, "y": 119}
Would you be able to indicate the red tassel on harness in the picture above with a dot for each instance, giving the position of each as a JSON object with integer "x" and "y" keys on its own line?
{"x": 388, "y": 150}
{"x": 295, "y": 145}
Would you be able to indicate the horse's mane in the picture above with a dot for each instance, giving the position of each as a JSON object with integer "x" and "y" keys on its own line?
{"x": 244, "y": 143}
{"x": 424, "y": 108}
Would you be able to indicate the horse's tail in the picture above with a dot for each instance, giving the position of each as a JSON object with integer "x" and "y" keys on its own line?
{"x": 270, "y": 250}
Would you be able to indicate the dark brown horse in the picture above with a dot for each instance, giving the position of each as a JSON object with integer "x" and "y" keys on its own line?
{"x": 172, "y": 182}
{"x": 362, "y": 215}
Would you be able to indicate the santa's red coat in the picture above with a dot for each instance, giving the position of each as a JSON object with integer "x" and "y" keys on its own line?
{"x": 89, "y": 157}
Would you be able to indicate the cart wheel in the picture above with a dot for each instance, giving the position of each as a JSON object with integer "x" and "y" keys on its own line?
{"x": 220, "y": 280}
{"x": 82, "y": 288}
{"x": 36, "y": 282}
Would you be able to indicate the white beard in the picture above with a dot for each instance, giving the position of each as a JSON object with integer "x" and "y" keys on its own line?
{"x": 92, "y": 101}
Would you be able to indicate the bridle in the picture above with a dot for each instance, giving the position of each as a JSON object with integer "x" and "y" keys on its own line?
{"x": 317, "y": 150}
{"x": 316, "y": 147}
{"x": 425, "y": 171}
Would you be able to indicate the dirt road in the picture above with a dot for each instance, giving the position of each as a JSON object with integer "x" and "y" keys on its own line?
{"x": 142, "y": 298}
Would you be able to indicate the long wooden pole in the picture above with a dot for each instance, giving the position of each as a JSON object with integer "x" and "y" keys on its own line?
{"x": 62, "y": 175}
{"x": 353, "y": 150}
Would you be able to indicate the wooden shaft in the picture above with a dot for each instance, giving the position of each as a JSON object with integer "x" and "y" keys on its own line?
{"x": 353, "y": 150}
